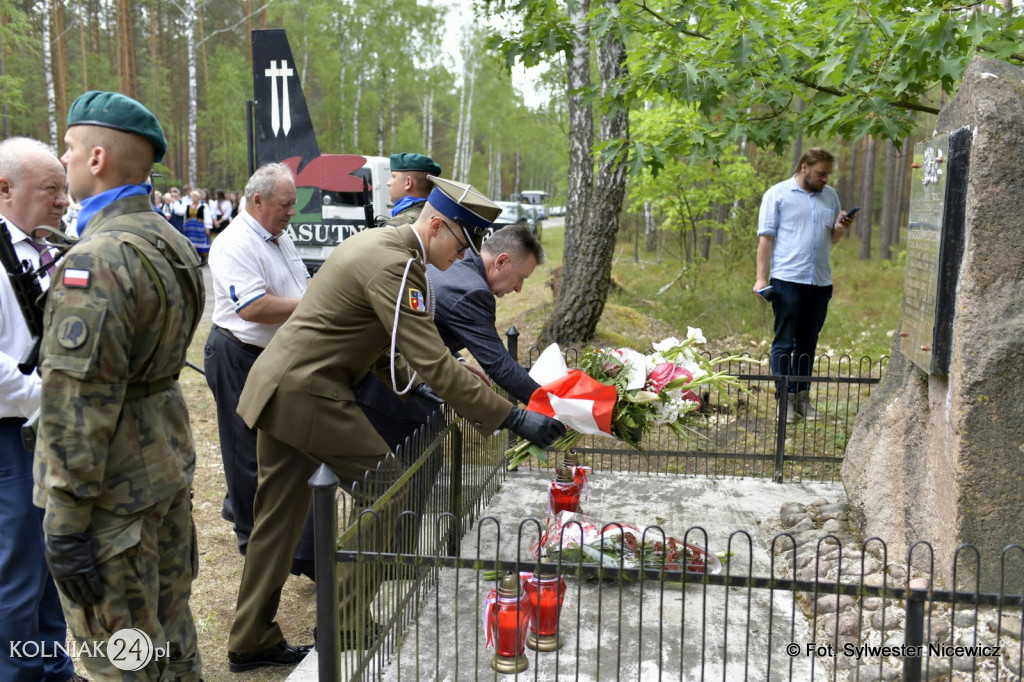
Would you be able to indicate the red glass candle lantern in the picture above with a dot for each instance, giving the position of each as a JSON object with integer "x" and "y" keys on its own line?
{"x": 571, "y": 461}
{"x": 546, "y": 592}
{"x": 563, "y": 493}
{"x": 506, "y": 620}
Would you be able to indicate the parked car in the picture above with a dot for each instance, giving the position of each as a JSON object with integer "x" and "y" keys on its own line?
{"x": 511, "y": 213}
{"x": 534, "y": 219}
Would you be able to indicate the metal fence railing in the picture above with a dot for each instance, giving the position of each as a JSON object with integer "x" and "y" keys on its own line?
{"x": 851, "y": 611}
{"x": 744, "y": 433}
{"x": 422, "y": 548}
{"x": 780, "y": 609}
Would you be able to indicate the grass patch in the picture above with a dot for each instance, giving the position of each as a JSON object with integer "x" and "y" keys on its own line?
{"x": 658, "y": 296}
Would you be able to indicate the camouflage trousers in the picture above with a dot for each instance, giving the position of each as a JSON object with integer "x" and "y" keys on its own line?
{"x": 147, "y": 562}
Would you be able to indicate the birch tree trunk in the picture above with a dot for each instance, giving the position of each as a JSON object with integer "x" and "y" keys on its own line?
{"x": 592, "y": 220}
{"x": 193, "y": 112}
{"x": 51, "y": 99}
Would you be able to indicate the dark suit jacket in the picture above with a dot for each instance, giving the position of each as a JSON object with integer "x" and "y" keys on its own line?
{"x": 465, "y": 317}
{"x": 300, "y": 390}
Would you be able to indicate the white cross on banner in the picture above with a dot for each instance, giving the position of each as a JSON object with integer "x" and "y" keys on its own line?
{"x": 280, "y": 113}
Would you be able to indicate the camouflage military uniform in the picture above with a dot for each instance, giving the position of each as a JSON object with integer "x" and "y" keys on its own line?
{"x": 407, "y": 216}
{"x": 115, "y": 457}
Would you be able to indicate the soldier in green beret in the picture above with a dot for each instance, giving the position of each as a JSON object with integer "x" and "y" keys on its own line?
{"x": 114, "y": 459}
{"x": 409, "y": 186}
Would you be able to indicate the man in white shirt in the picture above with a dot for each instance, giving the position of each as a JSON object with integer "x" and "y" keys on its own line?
{"x": 258, "y": 279}
{"x": 32, "y": 195}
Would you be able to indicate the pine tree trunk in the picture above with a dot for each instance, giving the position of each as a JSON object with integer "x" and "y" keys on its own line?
{"x": 890, "y": 202}
{"x": 867, "y": 182}
{"x": 60, "y": 47}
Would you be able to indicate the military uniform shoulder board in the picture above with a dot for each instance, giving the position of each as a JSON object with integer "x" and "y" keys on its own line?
{"x": 78, "y": 279}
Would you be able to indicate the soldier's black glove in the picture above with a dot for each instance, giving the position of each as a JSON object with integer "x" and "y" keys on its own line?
{"x": 535, "y": 427}
{"x": 424, "y": 392}
{"x": 72, "y": 562}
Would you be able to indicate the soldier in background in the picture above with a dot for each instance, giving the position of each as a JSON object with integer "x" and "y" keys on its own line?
{"x": 115, "y": 458}
{"x": 31, "y": 195}
{"x": 409, "y": 186}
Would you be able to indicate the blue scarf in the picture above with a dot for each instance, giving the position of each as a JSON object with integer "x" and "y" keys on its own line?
{"x": 97, "y": 203}
{"x": 404, "y": 203}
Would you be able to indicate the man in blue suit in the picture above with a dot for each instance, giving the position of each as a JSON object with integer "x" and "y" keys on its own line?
{"x": 465, "y": 315}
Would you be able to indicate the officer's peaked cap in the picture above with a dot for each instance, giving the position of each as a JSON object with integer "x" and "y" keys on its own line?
{"x": 465, "y": 206}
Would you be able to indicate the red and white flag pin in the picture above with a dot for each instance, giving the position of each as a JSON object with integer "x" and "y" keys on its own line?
{"x": 76, "y": 278}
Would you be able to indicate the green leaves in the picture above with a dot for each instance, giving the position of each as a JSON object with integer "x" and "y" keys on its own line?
{"x": 861, "y": 68}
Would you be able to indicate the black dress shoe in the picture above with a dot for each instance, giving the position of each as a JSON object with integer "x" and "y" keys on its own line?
{"x": 281, "y": 653}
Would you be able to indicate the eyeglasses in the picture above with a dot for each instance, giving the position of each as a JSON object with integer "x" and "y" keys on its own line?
{"x": 462, "y": 247}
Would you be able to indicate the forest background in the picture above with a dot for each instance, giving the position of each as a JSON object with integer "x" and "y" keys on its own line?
{"x": 665, "y": 121}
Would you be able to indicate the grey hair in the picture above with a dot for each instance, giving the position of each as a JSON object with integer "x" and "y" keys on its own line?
{"x": 515, "y": 240}
{"x": 13, "y": 151}
{"x": 262, "y": 181}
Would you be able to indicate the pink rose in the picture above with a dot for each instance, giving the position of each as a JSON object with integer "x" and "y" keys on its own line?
{"x": 664, "y": 373}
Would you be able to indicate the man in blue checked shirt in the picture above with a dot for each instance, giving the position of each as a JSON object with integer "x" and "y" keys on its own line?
{"x": 799, "y": 220}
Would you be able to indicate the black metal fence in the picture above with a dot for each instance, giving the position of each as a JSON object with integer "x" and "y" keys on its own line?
{"x": 788, "y": 608}
{"x": 807, "y": 603}
{"x": 744, "y": 433}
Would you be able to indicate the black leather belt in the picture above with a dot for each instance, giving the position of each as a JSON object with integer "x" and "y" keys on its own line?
{"x": 238, "y": 342}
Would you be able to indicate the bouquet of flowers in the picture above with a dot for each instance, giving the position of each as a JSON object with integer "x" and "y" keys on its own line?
{"x": 578, "y": 538}
{"x": 623, "y": 393}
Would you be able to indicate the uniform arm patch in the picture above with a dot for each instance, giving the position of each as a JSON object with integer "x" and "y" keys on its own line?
{"x": 72, "y": 342}
{"x": 417, "y": 301}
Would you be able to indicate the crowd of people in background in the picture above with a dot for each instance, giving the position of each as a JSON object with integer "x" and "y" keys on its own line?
{"x": 197, "y": 213}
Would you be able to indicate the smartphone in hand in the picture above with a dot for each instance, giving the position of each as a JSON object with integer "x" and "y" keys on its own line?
{"x": 851, "y": 213}
{"x": 768, "y": 293}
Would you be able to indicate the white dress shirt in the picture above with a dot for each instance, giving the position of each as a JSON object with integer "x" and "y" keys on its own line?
{"x": 19, "y": 393}
{"x": 246, "y": 263}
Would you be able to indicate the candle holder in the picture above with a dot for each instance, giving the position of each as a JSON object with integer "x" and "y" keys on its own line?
{"x": 571, "y": 461}
{"x": 563, "y": 493}
{"x": 546, "y": 591}
{"x": 507, "y": 619}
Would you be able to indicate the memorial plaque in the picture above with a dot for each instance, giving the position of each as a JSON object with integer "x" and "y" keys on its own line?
{"x": 938, "y": 194}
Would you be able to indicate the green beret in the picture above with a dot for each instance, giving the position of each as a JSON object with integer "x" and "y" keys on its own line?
{"x": 414, "y": 162}
{"x": 119, "y": 112}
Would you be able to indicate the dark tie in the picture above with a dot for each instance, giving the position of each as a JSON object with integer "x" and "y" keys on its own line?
{"x": 46, "y": 258}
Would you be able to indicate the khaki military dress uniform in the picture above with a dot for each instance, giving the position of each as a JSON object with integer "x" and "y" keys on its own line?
{"x": 300, "y": 396}
{"x": 114, "y": 456}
